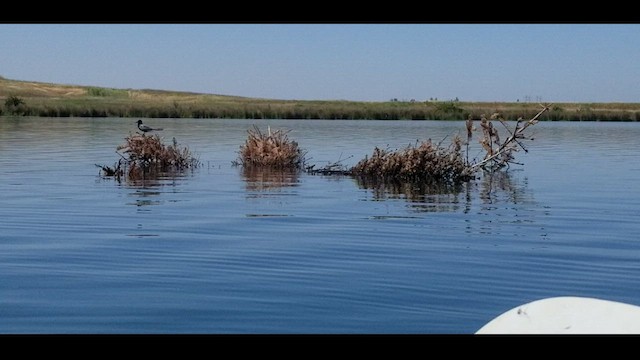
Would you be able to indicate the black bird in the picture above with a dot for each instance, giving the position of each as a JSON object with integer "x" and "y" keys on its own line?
{"x": 145, "y": 128}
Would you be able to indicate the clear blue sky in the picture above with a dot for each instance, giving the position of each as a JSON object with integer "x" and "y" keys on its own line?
{"x": 363, "y": 62}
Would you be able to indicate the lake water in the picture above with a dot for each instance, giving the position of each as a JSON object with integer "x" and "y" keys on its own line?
{"x": 218, "y": 250}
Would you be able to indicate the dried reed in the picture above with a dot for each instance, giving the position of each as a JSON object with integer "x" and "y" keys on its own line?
{"x": 424, "y": 162}
{"x": 147, "y": 155}
{"x": 273, "y": 150}
{"x": 436, "y": 165}
{"x": 116, "y": 171}
{"x": 501, "y": 154}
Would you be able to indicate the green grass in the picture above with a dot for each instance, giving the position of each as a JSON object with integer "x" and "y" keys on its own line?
{"x": 56, "y": 100}
{"x": 106, "y": 92}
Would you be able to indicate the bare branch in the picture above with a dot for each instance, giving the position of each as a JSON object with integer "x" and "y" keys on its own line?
{"x": 507, "y": 146}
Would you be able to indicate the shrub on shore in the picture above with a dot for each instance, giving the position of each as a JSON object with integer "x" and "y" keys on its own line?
{"x": 15, "y": 105}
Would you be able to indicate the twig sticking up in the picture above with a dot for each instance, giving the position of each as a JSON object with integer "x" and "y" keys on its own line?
{"x": 502, "y": 155}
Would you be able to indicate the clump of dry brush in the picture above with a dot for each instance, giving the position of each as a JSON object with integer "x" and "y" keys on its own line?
{"x": 425, "y": 161}
{"x": 149, "y": 151}
{"x": 273, "y": 150}
{"x": 145, "y": 156}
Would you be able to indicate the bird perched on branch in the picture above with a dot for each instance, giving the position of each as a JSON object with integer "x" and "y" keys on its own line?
{"x": 144, "y": 128}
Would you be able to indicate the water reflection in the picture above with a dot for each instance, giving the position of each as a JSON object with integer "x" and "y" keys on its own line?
{"x": 501, "y": 187}
{"x": 263, "y": 179}
{"x": 423, "y": 197}
{"x": 274, "y": 185}
{"x": 145, "y": 198}
{"x": 413, "y": 191}
{"x": 102, "y": 265}
{"x": 491, "y": 189}
{"x": 154, "y": 180}
{"x": 148, "y": 190}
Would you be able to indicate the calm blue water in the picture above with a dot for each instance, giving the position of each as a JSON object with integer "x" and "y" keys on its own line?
{"x": 218, "y": 250}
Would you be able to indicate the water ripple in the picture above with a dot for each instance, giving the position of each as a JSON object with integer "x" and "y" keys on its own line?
{"x": 226, "y": 251}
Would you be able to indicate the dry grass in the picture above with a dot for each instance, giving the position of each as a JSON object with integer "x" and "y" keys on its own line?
{"x": 433, "y": 164}
{"x": 424, "y": 162}
{"x": 273, "y": 149}
{"x": 55, "y": 100}
{"x": 147, "y": 156}
{"x": 39, "y": 89}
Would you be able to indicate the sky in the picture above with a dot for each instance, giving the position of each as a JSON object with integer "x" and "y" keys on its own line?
{"x": 359, "y": 62}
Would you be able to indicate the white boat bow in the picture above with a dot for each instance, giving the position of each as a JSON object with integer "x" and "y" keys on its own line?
{"x": 567, "y": 315}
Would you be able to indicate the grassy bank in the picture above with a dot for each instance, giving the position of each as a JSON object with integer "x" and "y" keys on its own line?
{"x": 54, "y": 100}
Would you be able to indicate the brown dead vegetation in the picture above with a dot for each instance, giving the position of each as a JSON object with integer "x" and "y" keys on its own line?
{"x": 273, "y": 149}
{"x": 499, "y": 153}
{"x": 424, "y": 162}
{"x": 145, "y": 156}
{"x": 433, "y": 164}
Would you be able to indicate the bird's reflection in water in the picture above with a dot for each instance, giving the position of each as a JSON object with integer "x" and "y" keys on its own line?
{"x": 148, "y": 189}
{"x": 145, "y": 198}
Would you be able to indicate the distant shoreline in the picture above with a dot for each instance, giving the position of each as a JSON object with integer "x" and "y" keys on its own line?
{"x": 27, "y": 98}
